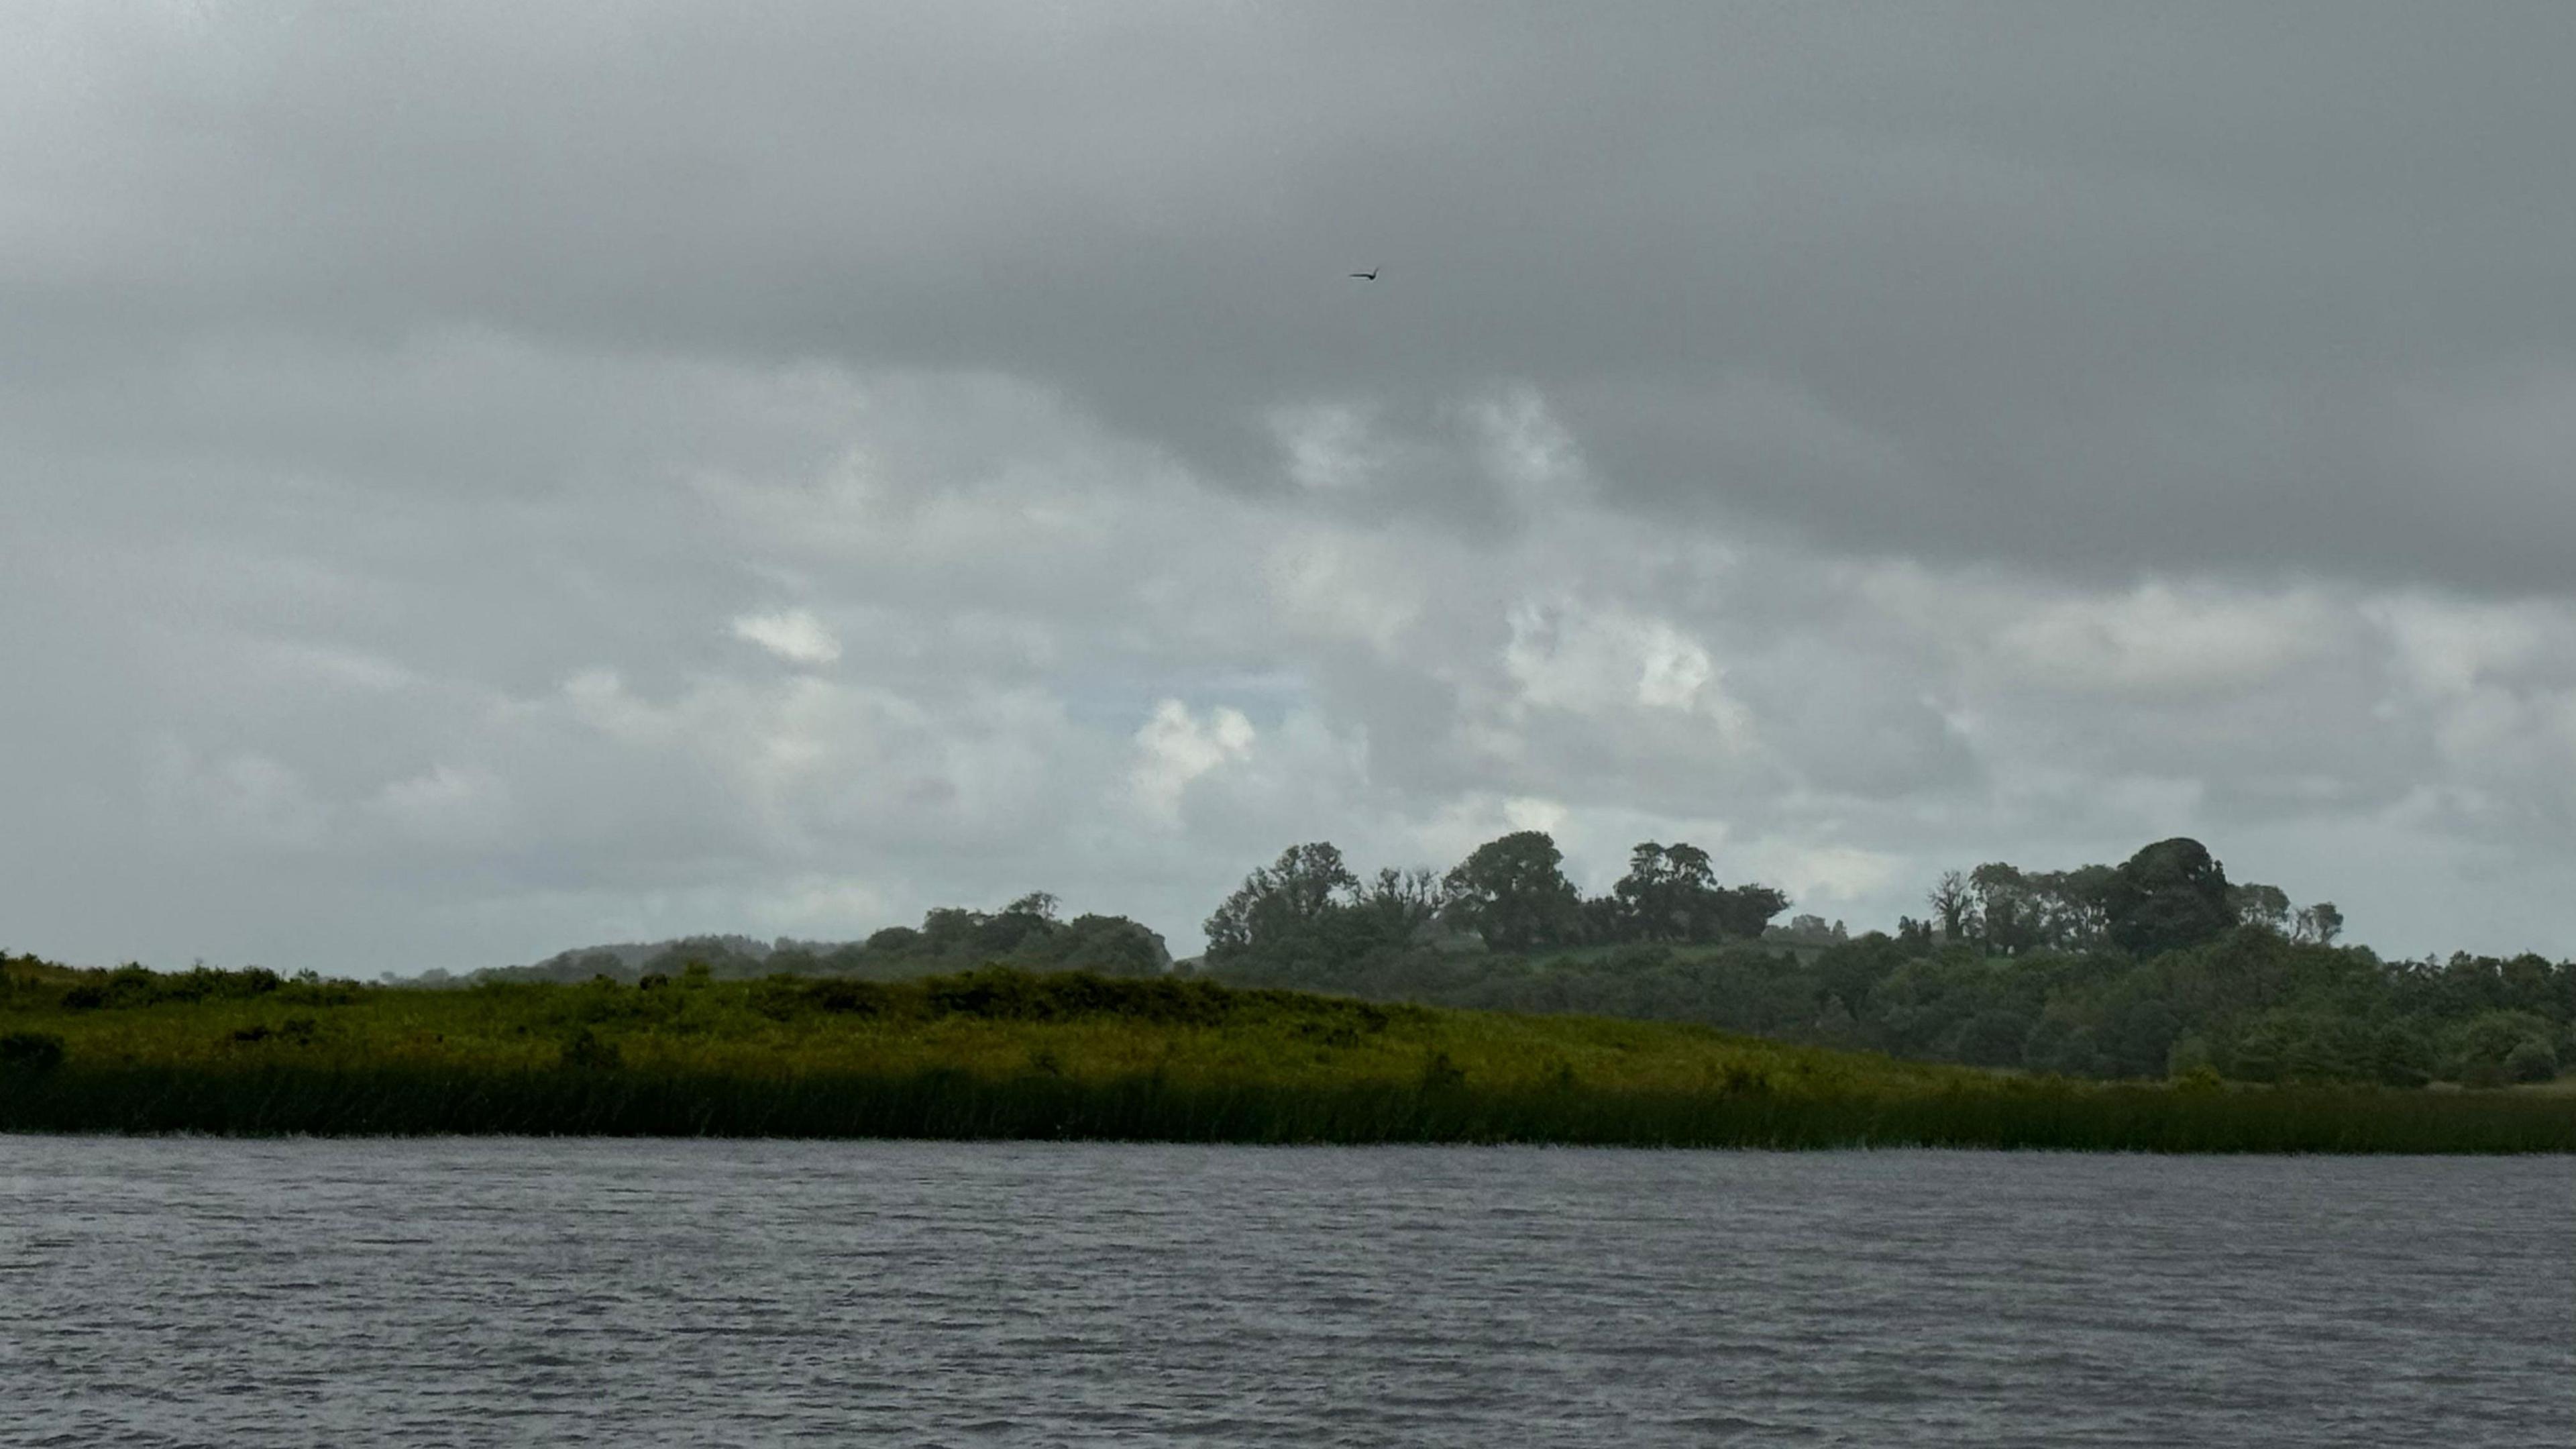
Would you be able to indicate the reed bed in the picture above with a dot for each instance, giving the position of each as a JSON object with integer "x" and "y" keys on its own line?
{"x": 997, "y": 1054}
{"x": 410, "y": 1101}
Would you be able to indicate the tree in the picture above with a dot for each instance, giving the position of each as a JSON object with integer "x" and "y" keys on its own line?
{"x": 1399, "y": 904}
{"x": 1661, "y": 896}
{"x": 1041, "y": 904}
{"x": 1603, "y": 920}
{"x": 1513, "y": 892}
{"x": 1670, "y": 893}
{"x": 2260, "y": 905}
{"x": 950, "y": 929}
{"x": 2320, "y": 923}
{"x": 2070, "y": 903}
{"x": 1113, "y": 946}
{"x": 1953, "y": 905}
{"x": 1026, "y": 921}
{"x": 2168, "y": 896}
{"x": 1284, "y": 905}
{"x": 1744, "y": 910}
{"x": 2010, "y": 918}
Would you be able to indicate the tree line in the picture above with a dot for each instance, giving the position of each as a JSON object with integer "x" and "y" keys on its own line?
{"x": 2156, "y": 966}
{"x": 1509, "y": 895}
{"x": 1029, "y": 933}
{"x": 2168, "y": 896}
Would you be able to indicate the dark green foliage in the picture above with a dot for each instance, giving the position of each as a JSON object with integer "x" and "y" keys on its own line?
{"x": 30, "y": 1053}
{"x": 2500, "y": 1046}
{"x": 2531, "y": 1060}
{"x": 2250, "y": 1003}
{"x": 1668, "y": 894}
{"x": 2259, "y": 905}
{"x": 1745, "y": 911}
{"x": 1025, "y": 934}
{"x": 2168, "y": 897}
{"x": 1307, "y": 921}
{"x": 1001, "y": 1053}
{"x": 1000, "y": 993}
{"x": 586, "y": 1051}
{"x": 132, "y": 986}
{"x": 1298, "y": 907}
{"x": 2011, "y": 911}
{"x": 854, "y": 998}
{"x": 1513, "y": 892}
{"x": 1005, "y": 995}
{"x": 596, "y": 1101}
{"x": 2157, "y": 965}
{"x": 1439, "y": 1074}
{"x": 1110, "y": 946}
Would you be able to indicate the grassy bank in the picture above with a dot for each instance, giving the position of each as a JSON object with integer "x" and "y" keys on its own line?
{"x": 1003, "y": 1055}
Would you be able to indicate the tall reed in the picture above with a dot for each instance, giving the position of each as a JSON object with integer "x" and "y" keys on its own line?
{"x": 407, "y": 1100}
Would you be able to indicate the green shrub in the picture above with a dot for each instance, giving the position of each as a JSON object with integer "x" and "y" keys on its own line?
{"x": 846, "y": 997}
{"x": 32, "y": 1053}
{"x": 2532, "y": 1061}
{"x": 2478, "y": 1051}
{"x": 586, "y": 1051}
{"x": 2200, "y": 1078}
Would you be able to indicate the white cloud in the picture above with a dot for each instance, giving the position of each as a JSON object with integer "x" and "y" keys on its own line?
{"x": 1591, "y": 660}
{"x": 794, "y": 635}
{"x": 450, "y": 807}
{"x": 1175, "y": 747}
{"x": 2159, "y": 640}
{"x": 2448, "y": 646}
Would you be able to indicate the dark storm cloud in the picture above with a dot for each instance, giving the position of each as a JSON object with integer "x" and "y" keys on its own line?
{"x": 2089, "y": 290}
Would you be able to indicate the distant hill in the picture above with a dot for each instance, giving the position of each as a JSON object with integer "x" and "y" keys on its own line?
{"x": 1025, "y": 934}
{"x": 627, "y": 960}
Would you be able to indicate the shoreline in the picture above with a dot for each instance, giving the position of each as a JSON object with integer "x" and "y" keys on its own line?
{"x": 281, "y": 1101}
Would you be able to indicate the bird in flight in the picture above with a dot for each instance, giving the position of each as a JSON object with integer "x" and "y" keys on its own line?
{"x": 1368, "y": 276}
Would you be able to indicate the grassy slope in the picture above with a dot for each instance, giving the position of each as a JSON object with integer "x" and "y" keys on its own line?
{"x": 997, "y": 1054}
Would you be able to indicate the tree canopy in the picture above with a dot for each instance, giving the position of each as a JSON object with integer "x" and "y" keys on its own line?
{"x": 1513, "y": 892}
{"x": 2168, "y": 896}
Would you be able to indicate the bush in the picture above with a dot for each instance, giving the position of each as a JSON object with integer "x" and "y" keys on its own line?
{"x": 31, "y": 1052}
{"x": 2480, "y": 1050}
{"x": 2200, "y": 1078}
{"x": 131, "y": 986}
{"x": 2533, "y": 1061}
{"x": 584, "y": 1050}
{"x": 847, "y": 997}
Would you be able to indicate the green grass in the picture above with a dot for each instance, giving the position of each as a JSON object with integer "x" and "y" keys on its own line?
{"x": 997, "y": 1054}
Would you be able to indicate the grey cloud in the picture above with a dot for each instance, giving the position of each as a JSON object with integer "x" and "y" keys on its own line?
{"x": 2082, "y": 290}
{"x": 1866, "y": 440}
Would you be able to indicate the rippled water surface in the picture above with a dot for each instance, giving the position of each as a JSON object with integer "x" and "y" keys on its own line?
{"x": 589, "y": 1292}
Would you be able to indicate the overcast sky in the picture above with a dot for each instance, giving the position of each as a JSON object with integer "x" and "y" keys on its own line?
{"x": 477, "y": 480}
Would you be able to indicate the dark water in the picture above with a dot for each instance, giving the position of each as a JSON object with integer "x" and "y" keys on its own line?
{"x": 477, "y": 1291}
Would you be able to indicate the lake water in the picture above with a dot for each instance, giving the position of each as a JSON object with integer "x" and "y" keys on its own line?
{"x": 477, "y": 1291}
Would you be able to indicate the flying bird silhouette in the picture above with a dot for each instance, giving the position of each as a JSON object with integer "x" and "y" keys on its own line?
{"x": 1368, "y": 276}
